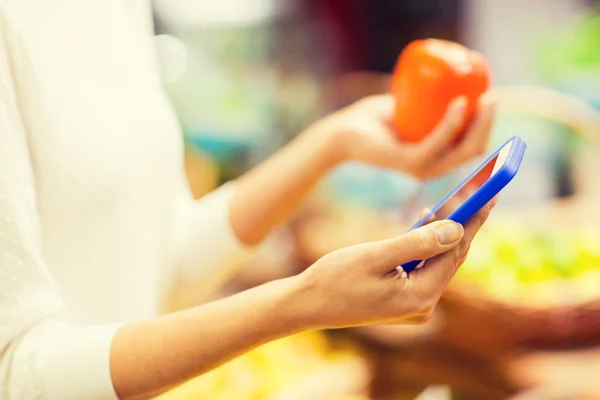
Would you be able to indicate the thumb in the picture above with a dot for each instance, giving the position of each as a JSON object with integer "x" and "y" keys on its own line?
{"x": 420, "y": 244}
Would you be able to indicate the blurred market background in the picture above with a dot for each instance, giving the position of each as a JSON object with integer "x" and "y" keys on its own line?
{"x": 246, "y": 76}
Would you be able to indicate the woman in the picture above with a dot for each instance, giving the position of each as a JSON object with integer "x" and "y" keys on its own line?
{"x": 93, "y": 222}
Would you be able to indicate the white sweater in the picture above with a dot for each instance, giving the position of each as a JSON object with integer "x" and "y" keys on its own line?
{"x": 94, "y": 208}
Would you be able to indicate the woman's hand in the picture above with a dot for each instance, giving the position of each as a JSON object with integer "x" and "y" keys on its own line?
{"x": 362, "y": 284}
{"x": 267, "y": 195}
{"x": 364, "y": 132}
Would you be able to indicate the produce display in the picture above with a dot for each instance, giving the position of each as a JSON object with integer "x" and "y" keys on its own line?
{"x": 534, "y": 266}
{"x": 528, "y": 263}
{"x": 574, "y": 49}
{"x": 512, "y": 261}
{"x": 429, "y": 74}
{"x": 303, "y": 366}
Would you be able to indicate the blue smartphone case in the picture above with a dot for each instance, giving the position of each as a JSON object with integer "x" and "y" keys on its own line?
{"x": 484, "y": 194}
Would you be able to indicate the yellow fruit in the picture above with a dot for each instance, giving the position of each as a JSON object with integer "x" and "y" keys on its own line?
{"x": 264, "y": 371}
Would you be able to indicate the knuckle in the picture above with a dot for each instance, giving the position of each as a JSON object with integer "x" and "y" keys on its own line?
{"x": 417, "y": 164}
{"x": 424, "y": 302}
{"x": 480, "y": 151}
{"x": 420, "y": 175}
{"x": 466, "y": 156}
{"x": 463, "y": 256}
{"x": 463, "y": 247}
{"x": 456, "y": 122}
{"x": 483, "y": 215}
{"x": 459, "y": 259}
{"x": 360, "y": 125}
{"x": 366, "y": 101}
{"x": 453, "y": 257}
{"x": 425, "y": 174}
{"x": 329, "y": 257}
{"x": 461, "y": 250}
{"x": 429, "y": 157}
{"x": 367, "y": 255}
{"x": 488, "y": 210}
{"x": 415, "y": 172}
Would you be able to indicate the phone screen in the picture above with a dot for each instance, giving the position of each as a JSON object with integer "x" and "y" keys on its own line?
{"x": 458, "y": 196}
{"x": 446, "y": 208}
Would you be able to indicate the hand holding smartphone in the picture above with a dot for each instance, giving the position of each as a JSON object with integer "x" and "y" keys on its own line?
{"x": 478, "y": 189}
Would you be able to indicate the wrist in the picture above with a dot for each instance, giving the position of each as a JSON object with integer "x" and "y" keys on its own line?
{"x": 325, "y": 144}
{"x": 302, "y": 304}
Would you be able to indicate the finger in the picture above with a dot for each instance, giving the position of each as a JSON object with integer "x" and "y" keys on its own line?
{"x": 419, "y": 244}
{"x": 478, "y": 134}
{"x": 475, "y": 223}
{"x": 471, "y": 228}
{"x": 426, "y": 212}
{"x": 446, "y": 130}
{"x": 438, "y": 271}
{"x": 475, "y": 141}
{"x": 493, "y": 202}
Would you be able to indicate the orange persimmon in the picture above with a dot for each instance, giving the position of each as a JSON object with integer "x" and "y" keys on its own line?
{"x": 429, "y": 74}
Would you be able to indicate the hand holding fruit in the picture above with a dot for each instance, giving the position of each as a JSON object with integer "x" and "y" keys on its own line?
{"x": 436, "y": 118}
{"x": 429, "y": 74}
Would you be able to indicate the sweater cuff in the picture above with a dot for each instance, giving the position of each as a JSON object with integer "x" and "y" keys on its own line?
{"x": 207, "y": 243}
{"x": 78, "y": 364}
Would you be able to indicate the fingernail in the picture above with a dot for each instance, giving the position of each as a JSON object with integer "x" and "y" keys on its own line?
{"x": 449, "y": 233}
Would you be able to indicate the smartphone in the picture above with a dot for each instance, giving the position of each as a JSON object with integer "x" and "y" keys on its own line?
{"x": 490, "y": 177}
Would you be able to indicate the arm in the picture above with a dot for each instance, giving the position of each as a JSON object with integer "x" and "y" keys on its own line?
{"x": 267, "y": 195}
{"x": 216, "y": 233}
{"x": 354, "y": 286}
{"x": 150, "y": 357}
{"x": 47, "y": 357}
{"x": 42, "y": 355}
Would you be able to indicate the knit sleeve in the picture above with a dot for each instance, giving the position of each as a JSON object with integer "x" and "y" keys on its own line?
{"x": 42, "y": 355}
{"x": 207, "y": 251}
